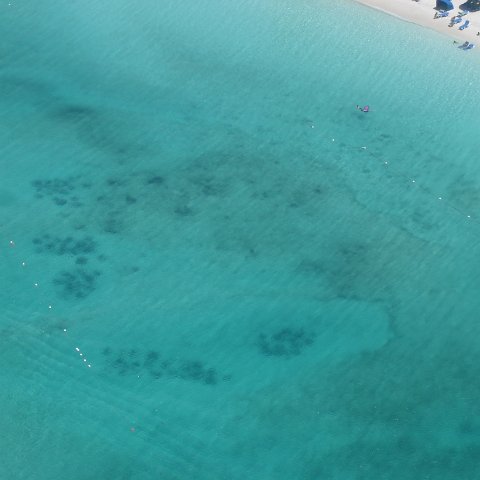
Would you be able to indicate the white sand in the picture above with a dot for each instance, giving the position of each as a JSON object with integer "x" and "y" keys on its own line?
{"x": 422, "y": 13}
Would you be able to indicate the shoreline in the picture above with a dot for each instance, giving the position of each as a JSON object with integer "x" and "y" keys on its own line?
{"x": 422, "y": 12}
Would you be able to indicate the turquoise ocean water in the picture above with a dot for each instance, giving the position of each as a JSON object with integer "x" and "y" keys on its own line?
{"x": 254, "y": 294}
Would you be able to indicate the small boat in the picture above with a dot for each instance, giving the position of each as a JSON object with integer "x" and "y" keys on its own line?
{"x": 364, "y": 109}
{"x": 465, "y": 25}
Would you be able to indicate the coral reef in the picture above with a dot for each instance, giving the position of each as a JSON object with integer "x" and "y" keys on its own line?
{"x": 64, "y": 245}
{"x": 76, "y": 284}
{"x": 60, "y": 190}
{"x": 287, "y": 342}
{"x": 127, "y": 362}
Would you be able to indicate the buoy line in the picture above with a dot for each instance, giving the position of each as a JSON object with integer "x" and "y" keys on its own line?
{"x": 48, "y": 306}
{"x": 380, "y": 159}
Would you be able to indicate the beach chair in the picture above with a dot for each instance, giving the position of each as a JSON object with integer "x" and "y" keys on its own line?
{"x": 465, "y": 25}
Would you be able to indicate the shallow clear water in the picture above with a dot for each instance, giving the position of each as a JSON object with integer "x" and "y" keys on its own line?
{"x": 255, "y": 294}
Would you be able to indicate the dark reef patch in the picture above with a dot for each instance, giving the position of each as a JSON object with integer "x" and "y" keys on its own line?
{"x": 113, "y": 182}
{"x": 209, "y": 186}
{"x": 81, "y": 260}
{"x": 183, "y": 211}
{"x": 60, "y": 201}
{"x": 287, "y": 342}
{"x": 76, "y": 284}
{"x": 197, "y": 371}
{"x": 113, "y": 223}
{"x": 312, "y": 267}
{"x": 99, "y": 129}
{"x": 59, "y": 190}
{"x": 155, "y": 180}
{"x": 348, "y": 269}
{"x": 129, "y": 200}
{"x": 65, "y": 245}
{"x": 75, "y": 113}
{"x": 57, "y": 186}
{"x": 152, "y": 363}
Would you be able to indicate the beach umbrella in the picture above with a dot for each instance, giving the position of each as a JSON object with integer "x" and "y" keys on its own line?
{"x": 445, "y": 5}
{"x": 471, "y": 5}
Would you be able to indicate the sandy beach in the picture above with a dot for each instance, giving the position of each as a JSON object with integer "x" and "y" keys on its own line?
{"x": 422, "y": 13}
